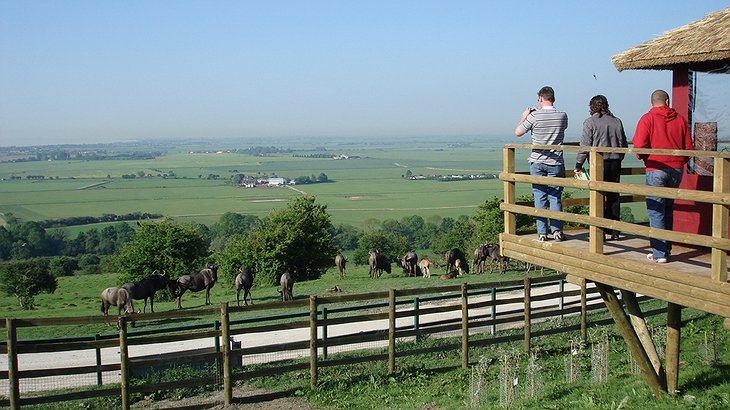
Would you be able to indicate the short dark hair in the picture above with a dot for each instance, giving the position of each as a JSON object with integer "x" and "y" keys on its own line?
{"x": 599, "y": 105}
{"x": 547, "y": 93}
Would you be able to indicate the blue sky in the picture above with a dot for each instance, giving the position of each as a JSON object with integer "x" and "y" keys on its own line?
{"x": 99, "y": 71}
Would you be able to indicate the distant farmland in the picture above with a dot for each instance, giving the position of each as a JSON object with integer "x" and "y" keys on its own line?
{"x": 369, "y": 187}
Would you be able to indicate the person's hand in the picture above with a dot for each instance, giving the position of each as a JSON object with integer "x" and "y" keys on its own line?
{"x": 527, "y": 112}
{"x": 577, "y": 172}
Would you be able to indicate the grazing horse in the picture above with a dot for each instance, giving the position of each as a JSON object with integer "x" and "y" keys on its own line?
{"x": 409, "y": 262}
{"x": 340, "y": 262}
{"x": 146, "y": 288}
{"x": 244, "y": 280}
{"x": 378, "y": 263}
{"x": 118, "y": 297}
{"x": 287, "y": 286}
{"x": 480, "y": 256}
{"x": 425, "y": 266}
{"x": 205, "y": 279}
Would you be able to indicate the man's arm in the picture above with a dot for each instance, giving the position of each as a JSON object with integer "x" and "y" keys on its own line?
{"x": 519, "y": 131}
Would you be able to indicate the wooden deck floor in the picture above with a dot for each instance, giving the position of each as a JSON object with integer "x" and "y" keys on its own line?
{"x": 635, "y": 248}
{"x": 685, "y": 280}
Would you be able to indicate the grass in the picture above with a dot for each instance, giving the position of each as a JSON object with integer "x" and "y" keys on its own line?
{"x": 80, "y": 296}
{"x": 434, "y": 381}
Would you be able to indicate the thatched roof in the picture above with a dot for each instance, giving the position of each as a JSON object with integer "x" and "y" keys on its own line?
{"x": 701, "y": 45}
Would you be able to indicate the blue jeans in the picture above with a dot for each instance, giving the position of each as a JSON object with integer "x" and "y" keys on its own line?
{"x": 660, "y": 210}
{"x": 548, "y": 196}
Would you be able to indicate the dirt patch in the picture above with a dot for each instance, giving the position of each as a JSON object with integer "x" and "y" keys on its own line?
{"x": 243, "y": 398}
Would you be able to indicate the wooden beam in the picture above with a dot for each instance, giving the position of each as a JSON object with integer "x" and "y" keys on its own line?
{"x": 632, "y": 340}
{"x": 510, "y": 220}
{"x": 721, "y": 184}
{"x": 597, "y": 199}
{"x": 636, "y": 316}
{"x": 674, "y": 328}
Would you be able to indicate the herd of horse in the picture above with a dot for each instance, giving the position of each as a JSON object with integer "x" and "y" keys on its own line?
{"x": 123, "y": 297}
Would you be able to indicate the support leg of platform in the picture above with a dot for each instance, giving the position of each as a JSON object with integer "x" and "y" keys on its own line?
{"x": 674, "y": 327}
{"x": 632, "y": 340}
{"x": 642, "y": 331}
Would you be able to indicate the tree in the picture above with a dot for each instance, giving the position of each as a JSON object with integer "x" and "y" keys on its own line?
{"x": 26, "y": 279}
{"x": 177, "y": 248}
{"x": 390, "y": 244}
{"x": 297, "y": 237}
{"x": 345, "y": 237}
{"x": 63, "y": 266}
{"x": 460, "y": 235}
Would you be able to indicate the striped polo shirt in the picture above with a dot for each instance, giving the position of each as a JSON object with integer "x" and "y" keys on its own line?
{"x": 547, "y": 126}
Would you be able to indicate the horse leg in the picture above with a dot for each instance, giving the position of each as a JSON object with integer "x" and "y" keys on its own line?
{"x": 238, "y": 294}
{"x": 207, "y": 296}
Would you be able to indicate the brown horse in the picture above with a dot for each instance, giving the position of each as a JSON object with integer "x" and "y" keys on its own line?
{"x": 341, "y": 261}
{"x": 118, "y": 297}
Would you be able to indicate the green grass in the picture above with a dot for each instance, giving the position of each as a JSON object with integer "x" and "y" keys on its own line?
{"x": 435, "y": 381}
{"x": 80, "y": 296}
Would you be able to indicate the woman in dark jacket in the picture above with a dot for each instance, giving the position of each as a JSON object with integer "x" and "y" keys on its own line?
{"x": 602, "y": 129}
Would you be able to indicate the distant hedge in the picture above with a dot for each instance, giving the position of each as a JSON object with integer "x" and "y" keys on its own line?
{"x": 85, "y": 220}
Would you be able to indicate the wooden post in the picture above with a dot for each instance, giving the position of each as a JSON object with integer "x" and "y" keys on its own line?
{"x": 508, "y": 166}
{"x": 324, "y": 332}
{"x": 464, "y": 327}
{"x": 674, "y": 327}
{"x": 391, "y": 331}
{"x": 416, "y": 318}
{"x": 124, "y": 362}
{"x": 313, "y": 341}
{"x": 225, "y": 325}
{"x": 720, "y": 219}
{"x": 642, "y": 331}
{"x": 494, "y": 311}
{"x": 528, "y": 286}
{"x": 97, "y": 351}
{"x": 583, "y": 312}
{"x": 632, "y": 340}
{"x": 13, "y": 378}
{"x": 597, "y": 199}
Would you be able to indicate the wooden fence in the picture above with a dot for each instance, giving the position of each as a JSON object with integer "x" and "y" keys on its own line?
{"x": 478, "y": 305}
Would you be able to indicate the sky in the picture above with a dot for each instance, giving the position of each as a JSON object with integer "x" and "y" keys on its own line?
{"x": 104, "y": 71}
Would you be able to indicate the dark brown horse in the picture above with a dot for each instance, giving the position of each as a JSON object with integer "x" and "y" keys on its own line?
{"x": 340, "y": 262}
{"x": 205, "y": 279}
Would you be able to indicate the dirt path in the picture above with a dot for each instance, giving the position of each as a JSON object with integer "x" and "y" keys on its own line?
{"x": 243, "y": 398}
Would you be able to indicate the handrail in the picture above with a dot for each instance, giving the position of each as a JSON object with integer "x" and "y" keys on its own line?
{"x": 719, "y": 198}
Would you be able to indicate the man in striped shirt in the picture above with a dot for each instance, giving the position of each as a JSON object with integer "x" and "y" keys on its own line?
{"x": 547, "y": 126}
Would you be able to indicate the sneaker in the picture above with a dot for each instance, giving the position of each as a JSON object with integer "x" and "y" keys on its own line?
{"x": 542, "y": 237}
{"x": 558, "y": 236}
{"x": 650, "y": 258}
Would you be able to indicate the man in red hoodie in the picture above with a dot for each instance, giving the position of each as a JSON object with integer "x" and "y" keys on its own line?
{"x": 662, "y": 128}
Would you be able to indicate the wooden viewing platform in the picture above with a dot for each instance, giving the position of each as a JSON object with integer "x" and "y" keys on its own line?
{"x": 696, "y": 275}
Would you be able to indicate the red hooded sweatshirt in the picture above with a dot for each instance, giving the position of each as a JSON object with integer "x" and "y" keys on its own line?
{"x": 662, "y": 128}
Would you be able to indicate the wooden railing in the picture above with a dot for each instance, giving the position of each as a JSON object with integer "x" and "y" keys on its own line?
{"x": 477, "y": 303}
{"x": 710, "y": 295}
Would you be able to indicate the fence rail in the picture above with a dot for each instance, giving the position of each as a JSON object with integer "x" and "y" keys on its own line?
{"x": 410, "y": 314}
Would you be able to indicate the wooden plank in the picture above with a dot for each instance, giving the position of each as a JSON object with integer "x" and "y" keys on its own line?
{"x": 652, "y": 281}
{"x": 65, "y": 371}
{"x": 313, "y": 341}
{"x": 678, "y": 237}
{"x": 509, "y": 190}
{"x": 636, "y": 318}
{"x": 653, "y": 271}
{"x": 300, "y": 324}
{"x": 624, "y": 188}
{"x": 64, "y": 397}
{"x": 464, "y": 326}
{"x": 391, "y": 331}
{"x": 684, "y": 153}
{"x": 597, "y": 199}
{"x": 226, "y": 353}
{"x": 13, "y": 378}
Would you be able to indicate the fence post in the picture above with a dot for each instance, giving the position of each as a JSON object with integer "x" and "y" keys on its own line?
{"x": 324, "y": 333}
{"x": 583, "y": 313}
{"x": 217, "y": 345}
{"x": 124, "y": 362}
{"x": 225, "y": 325}
{"x": 562, "y": 297}
{"x": 464, "y": 327}
{"x": 313, "y": 341}
{"x": 97, "y": 350}
{"x": 13, "y": 380}
{"x": 528, "y": 287}
{"x": 391, "y": 331}
{"x": 494, "y": 311}
{"x": 416, "y": 319}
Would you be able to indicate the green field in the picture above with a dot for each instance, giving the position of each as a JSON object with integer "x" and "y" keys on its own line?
{"x": 369, "y": 187}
